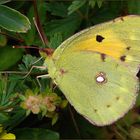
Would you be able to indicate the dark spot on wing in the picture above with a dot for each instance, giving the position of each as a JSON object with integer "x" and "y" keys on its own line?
{"x": 95, "y": 110}
{"x": 108, "y": 106}
{"x": 62, "y": 71}
{"x": 99, "y": 38}
{"x": 128, "y": 48}
{"x": 117, "y": 98}
{"x": 103, "y": 56}
{"x": 122, "y": 58}
{"x": 138, "y": 74}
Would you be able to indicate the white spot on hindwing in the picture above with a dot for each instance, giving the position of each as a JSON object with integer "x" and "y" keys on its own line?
{"x": 101, "y": 78}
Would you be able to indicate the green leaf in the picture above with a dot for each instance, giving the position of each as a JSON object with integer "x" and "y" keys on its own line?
{"x": 9, "y": 57}
{"x": 134, "y": 7}
{"x": 55, "y": 40}
{"x": 138, "y": 101}
{"x": 3, "y": 40}
{"x": 108, "y": 12}
{"x": 57, "y": 9}
{"x": 29, "y": 37}
{"x": 66, "y": 27}
{"x": 4, "y": 1}
{"x": 76, "y": 4}
{"x": 28, "y": 62}
{"x": 92, "y": 3}
{"x": 15, "y": 118}
{"x": 36, "y": 134}
{"x": 7, "y": 95}
{"x": 3, "y": 117}
{"x": 13, "y": 20}
{"x": 17, "y": 4}
{"x": 42, "y": 8}
{"x": 99, "y": 2}
{"x": 135, "y": 132}
{"x": 55, "y": 118}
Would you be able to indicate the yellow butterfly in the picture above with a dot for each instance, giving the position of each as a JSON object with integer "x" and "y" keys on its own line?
{"x": 96, "y": 69}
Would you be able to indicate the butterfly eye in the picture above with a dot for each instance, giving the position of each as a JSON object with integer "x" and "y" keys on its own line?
{"x": 101, "y": 78}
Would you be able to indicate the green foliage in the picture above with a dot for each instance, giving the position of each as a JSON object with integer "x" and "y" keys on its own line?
{"x": 3, "y": 40}
{"x": 12, "y": 20}
{"x": 36, "y": 133}
{"x": 28, "y": 62}
{"x": 4, "y": 1}
{"x": 3, "y": 118}
{"x": 99, "y": 2}
{"x": 133, "y": 7}
{"x": 9, "y": 57}
{"x": 59, "y": 19}
{"x": 55, "y": 40}
{"x": 76, "y": 4}
{"x": 66, "y": 27}
{"x": 6, "y": 95}
{"x": 135, "y": 132}
{"x": 92, "y": 3}
{"x": 57, "y": 8}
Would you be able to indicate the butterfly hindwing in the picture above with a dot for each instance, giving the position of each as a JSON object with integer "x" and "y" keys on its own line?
{"x": 101, "y": 103}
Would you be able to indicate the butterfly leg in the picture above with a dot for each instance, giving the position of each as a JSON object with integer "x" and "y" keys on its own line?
{"x": 42, "y": 76}
{"x": 37, "y": 60}
{"x": 37, "y": 67}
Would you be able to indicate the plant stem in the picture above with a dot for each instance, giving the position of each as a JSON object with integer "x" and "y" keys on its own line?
{"x": 22, "y": 73}
{"x": 38, "y": 25}
{"x": 123, "y": 130}
{"x": 74, "y": 121}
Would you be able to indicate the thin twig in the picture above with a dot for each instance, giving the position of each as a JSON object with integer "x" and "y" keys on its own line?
{"x": 118, "y": 133}
{"x": 74, "y": 122}
{"x": 22, "y": 73}
{"x": 123, "y": 130}
{"x": 38, "y": 25}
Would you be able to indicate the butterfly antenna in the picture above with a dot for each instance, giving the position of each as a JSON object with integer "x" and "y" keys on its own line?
{"x": 27, "y": 47}
{"x": 48, "y": 51}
